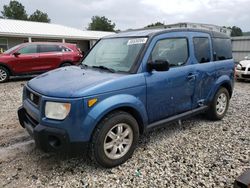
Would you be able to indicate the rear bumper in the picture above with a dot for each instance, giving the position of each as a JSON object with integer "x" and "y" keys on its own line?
{"x": 48, "y": 138}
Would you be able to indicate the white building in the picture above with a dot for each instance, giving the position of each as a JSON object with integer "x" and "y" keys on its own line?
{"x": 240, "y": 47}
{"x": 13, "y": 32}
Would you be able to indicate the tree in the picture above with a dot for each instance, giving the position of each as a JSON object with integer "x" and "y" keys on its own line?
{"x": 14, "y": 10}
{"x": 39, "y": 16}
{"x": 101, "y": 24}
{"x": 236, "y": 31}
{"x": 157, "y": 24}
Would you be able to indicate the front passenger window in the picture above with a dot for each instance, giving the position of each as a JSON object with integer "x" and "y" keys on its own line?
{"x": 175, "y": 51}
{"x": 30, "y": 49}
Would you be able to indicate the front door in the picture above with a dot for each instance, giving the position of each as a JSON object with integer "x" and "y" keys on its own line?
{"x": 25, "y": 61}
{"x": 170, "y": 92}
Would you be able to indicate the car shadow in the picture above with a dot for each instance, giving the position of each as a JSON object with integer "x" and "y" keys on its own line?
{"x": 21, "y": 78}
{"x": 242, "y": 81}
{"x": 70, "y": 160}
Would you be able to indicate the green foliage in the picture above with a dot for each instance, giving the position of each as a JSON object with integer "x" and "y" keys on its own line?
{"x": 101, "y": 24}
{"x": 157, "y": 24}
{"x": 236, "y": 31}
{"x": 14, "y": 10}
{"x": 246, "y": 33}
{"x": 39, "y": 16}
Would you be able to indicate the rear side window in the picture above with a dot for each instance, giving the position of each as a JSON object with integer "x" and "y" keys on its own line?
{"x": 30, "y": 49}
{"x": 202, "y": 49}
{"x": 49, "y": 48}
{"x": 222, "y": 49}
{"x": 64, "y": 49}
{"x": 174, "y": 50}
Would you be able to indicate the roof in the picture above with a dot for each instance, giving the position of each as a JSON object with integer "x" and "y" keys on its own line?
{"x": 10, "y": 27}
{"x": 153, "y": 32}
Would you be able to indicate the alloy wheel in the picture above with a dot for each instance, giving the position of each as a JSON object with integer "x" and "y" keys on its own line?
{"x": 3, "y": 75}
{"x": 221, "y": 104}
{"x": 118, "y": 141}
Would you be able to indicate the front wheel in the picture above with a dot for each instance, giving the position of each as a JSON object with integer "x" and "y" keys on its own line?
{"x": 114, "y": 139}
{"x": 4, "y": 74}
{"x": 219, "y": 105}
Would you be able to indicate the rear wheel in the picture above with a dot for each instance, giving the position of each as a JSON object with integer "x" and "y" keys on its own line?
{"x": 219, "y": 105}
{"x": 4, "y": 74}
{"x": 65, "y": 64}
{"x": 114, "y": 139}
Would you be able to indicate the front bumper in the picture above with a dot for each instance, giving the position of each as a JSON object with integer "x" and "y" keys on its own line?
{"x": 240, "y": 74}
{"x": 48, "y": 138}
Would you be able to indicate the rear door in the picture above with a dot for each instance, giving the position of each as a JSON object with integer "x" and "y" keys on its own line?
{"x": 50, "y": 56}
{"x": 205, "y": 70}
{"x": 26, "y": 61}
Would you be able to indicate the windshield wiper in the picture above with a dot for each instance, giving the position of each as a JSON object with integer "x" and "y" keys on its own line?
{"x": 83, "y": 66}
{"x": 104, "y": 68}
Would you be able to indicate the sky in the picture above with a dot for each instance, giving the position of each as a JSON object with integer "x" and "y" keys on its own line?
{"x": 132, "y": 14}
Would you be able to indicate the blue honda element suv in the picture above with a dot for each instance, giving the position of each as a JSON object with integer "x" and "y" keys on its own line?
{"x": 127, "y": 84}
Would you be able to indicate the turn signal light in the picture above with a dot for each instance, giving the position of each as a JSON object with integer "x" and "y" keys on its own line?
{"x": 91, "y": 102}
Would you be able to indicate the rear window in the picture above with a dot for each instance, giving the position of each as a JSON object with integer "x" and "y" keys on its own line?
{"x": 202, "y": 49}
{"x": 49, "y": 48}
{"x": 222, "y": 49}
{"x": 64, "y": 49}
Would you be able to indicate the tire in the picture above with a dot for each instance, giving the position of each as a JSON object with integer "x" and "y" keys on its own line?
{"x": 65, "y": 64}
{"x": 4, "y": 74}
{"x": 219, "y": 105}
{"x": 122, "y": 148}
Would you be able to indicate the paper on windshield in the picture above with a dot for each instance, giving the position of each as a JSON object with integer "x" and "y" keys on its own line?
{"x": 137, "y": 41}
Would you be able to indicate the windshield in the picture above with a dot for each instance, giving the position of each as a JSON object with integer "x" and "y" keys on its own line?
{"x": 11, "y": 49}
{"x": 118, "y": 54}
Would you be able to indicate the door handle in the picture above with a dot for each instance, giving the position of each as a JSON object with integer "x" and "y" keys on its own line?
{"x": 35, "y": 56}
{"x": 191, "y": 77}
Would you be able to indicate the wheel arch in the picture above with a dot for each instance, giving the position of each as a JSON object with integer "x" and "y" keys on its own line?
{"x": 228, "y": 87}
{"x": 123, "y": 102}
{"x": 66, "y": 61}
{"x": 132, "y": 111}
{"x": 223, "y": 81}
{"x": 7, "y": 67}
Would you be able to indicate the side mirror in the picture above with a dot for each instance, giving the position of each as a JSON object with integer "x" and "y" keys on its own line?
{"x": 158, "y": 65}
{"x": 16, "y": 54}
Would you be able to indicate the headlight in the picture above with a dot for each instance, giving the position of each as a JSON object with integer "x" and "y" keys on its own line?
{"x": 58, "y": 111}
{"x": 239, "y": 67}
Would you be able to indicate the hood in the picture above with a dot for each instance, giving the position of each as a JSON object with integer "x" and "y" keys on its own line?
{"x": 245, "y": 63}
{"x": 71, "y": 82}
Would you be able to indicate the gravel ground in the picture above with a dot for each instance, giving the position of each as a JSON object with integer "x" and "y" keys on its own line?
{"x": 196, "y": 153}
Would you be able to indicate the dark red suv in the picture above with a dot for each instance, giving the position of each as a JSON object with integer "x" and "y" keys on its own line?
{"x": 34, "y": 58}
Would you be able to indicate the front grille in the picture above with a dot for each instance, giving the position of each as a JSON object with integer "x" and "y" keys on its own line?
{"x": 34, "y": 98}
{"x": 245, "y": 75}
{"x": 244, "y": 68}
